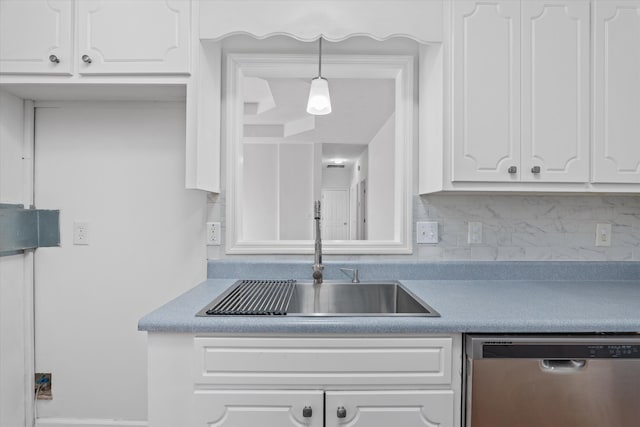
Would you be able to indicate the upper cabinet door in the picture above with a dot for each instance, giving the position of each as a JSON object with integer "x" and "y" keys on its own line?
{"x": 414, "y": 408}
{"x": 616, "y": 138}
{"x": 555, "y": 91}
{"x": 36, "y": 36}
{"x": 486, "y": 99}
{"x": 142, "y": 36}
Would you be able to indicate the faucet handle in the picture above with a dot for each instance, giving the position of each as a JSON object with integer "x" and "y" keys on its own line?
{"x": 354, "y": 271}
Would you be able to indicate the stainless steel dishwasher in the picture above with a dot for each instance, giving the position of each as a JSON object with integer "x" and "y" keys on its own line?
{"x": 552, "y": 381}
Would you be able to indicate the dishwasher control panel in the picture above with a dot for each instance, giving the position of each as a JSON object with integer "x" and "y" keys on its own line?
{"x": 560, "y": 351}
{"x": 614, "y": 351}
{"x": 552, "y": 347}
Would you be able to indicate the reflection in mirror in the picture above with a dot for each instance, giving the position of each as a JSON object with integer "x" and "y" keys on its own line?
{"x": 291, "y": 158}
{"x": 356, "y": 160}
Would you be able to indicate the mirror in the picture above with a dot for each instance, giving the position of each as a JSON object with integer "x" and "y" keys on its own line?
{"x": 356, "y": 160}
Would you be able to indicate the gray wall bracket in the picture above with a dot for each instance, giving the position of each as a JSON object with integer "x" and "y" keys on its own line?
{"x": 22, "y": 229}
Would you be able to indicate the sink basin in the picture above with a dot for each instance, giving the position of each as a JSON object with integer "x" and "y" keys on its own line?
{"x": 331, "y": 298}
{"x": 356, "y": 299}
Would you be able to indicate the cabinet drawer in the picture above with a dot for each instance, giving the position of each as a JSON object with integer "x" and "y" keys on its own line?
{"x": 323, "y": 361}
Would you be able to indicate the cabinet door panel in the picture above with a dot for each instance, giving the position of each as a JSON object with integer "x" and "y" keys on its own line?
{"x": 243, "y": 408}
{"x": 486, "y": 130}
{"x": 32, "y": 31}
{"x": 555, "y": 91}
{"x": 230, "y": 361}
{"x": 143, "y": 36}
{"x": 390, "y": 408}
{"x": 617, "y": 92}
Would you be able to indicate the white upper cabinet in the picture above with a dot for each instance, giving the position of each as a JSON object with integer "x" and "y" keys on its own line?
{"x": 555, "y": 91}
{"x": 616, "y": 130}
{"x": 36, "y": 36}
{"x": 486, "y": 127}
{"x": 521, "y": 91}
{"x": 142, "y": 36}
{"x": 113, "y": 37}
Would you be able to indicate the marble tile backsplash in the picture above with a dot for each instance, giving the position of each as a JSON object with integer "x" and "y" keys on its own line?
{"x": 515, "y": 227}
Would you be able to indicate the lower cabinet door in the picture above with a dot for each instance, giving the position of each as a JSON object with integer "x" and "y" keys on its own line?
{"x": 266, "y": 408}
{"x": 408, "y": 408}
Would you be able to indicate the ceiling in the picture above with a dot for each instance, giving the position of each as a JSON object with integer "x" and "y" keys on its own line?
{"x": 360, "y": 108}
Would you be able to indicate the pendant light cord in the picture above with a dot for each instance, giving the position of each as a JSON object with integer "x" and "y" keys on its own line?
{"x": 320, "y": 58}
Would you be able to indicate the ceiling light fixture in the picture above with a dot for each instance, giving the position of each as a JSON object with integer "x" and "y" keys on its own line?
{"x": 319, "y": 102}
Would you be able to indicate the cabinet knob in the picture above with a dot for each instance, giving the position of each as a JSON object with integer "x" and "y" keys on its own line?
{"x": 535, "y": 169}
{"x": 54, "y": 59}
{"x": 307, "y": 412}
{"x": 512, "y": 169}
{"x": 342, "y": 413}
{"x": 86, "y": 59}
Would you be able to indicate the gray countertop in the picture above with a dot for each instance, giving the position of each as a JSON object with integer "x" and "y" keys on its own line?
{"x": 492, "y": 306}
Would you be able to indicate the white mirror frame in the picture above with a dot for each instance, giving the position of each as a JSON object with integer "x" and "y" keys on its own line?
{"x": 400, "y": 68}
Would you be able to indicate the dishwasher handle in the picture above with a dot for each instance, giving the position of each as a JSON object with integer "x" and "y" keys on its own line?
{"x": 562, "y": 366}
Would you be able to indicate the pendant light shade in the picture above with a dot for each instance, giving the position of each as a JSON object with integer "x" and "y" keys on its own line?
{"x": 319, "y": 102}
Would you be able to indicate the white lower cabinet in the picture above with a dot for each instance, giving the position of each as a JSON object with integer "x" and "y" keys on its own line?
{"x": 317, "y": 408}
{"x": 277, "y": 408}
{"x": 204, "y": 381}
{"x": 410, "y": 408}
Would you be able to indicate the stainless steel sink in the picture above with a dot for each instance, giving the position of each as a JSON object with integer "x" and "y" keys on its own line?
{"x": 331, "y": 298}
{"x": 351, "y": 299}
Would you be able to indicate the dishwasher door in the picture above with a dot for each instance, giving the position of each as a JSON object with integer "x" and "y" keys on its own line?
{"x": 553, "y": 381}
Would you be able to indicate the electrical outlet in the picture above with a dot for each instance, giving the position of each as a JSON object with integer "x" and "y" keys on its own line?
{"x": 213, "y": 233}
{"x": 42, "y": 386}
{"x": 80, "y": 233}
{"x": 427, "y": 232}
{"x": 603, "y": 234}
{"x": 475, "y": 233}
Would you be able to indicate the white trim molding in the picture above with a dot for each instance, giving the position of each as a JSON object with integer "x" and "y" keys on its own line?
{"x": 397, "y": 67}
{"x": 335, "y": 20}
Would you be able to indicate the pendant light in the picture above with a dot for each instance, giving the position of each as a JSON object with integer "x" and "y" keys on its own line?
{"x": 319, "y": 102}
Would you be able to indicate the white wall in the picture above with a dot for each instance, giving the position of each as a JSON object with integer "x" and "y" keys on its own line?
{"x": 11, "y": 149}
{"x": 260, "y": 191}
{"x": 361, "y": 167}
{"x": 381, "y": 196}
{"x": 15, "y": 282}
{"x": 277, "y": 190}
{"x": 121, "y": 168}
{"x": 296, "y": 167}
{"x": 337, "y": 177}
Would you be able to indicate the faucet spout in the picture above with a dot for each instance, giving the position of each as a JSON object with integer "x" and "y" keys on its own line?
{"x": 317, "y": 257}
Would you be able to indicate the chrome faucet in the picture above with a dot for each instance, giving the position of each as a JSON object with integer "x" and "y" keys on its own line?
{"x": 317, "y": 257}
